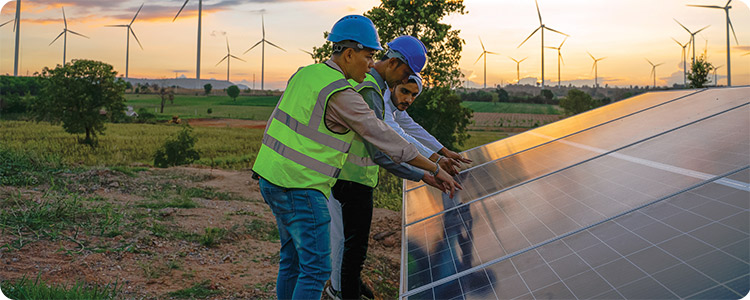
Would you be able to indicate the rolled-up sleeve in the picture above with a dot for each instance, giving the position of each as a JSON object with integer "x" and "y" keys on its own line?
{"x": 417, "y": 131}
{"x": 348, "y": 110}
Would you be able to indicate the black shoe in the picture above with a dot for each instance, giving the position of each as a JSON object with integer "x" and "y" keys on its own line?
{"x": 365, "y": 291}
{"x": 334, "y": 294}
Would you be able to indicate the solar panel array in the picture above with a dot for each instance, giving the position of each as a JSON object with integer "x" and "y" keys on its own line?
{"x": 645, "y": 198}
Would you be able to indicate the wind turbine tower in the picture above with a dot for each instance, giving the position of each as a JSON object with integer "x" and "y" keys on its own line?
{"x": 684, "y": 60}
{"x": 729, "y": 25}
{"x": 228, "y": 57}
{"x": 64, "y": 33}
{"x": 653, "y": 70}
{"x": 716, "y": 82}
{"x": 263, "y": 42}
{"x": 518, "y": 68}
{"x": 129, "y": 30}
{"x": 595, "y": 68}
{"x": 484, "y": 54}
{"x": 692, "y": 36}
{"x": 542, "y": 27}
{"x": 200, "y": 14}
{"x": 17, "y": 27}
{"x": 559, "y": 59}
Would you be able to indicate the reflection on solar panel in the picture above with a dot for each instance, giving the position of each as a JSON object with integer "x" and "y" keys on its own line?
{"x": 644, "y": 198}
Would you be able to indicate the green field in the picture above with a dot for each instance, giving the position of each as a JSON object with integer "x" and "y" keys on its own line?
{"x": 512, "y": 108}
{"x": 189, "y": 107}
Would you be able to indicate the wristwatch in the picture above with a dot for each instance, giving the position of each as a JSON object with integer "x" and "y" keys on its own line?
{"x": 437, "y": 169}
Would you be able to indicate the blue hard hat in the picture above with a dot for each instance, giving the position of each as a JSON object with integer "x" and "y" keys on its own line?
{"x": 356, "y": 28}
{"x": 412, "y": 49}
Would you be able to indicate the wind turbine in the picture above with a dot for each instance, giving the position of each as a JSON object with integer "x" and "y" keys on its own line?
{"x": 716, "y": 82}
{"x": 228, "y": 57}
{"x": 308, "y": 52}
{"x": 11, "y": 20}
{"x": 543, "y": 27}
{"x": 129, "y": 30}
{"x": 200, "y": 14}
{"x": 518, "y": 68}
{"x": 263, "y": 41}
{"x": 684, "y": 60}
{"x": 17, "y": 29}
{"x": 653, "y": 70}
{"x": 559, "y": 59}
{"x": 484, "y": 54}
{"x": 65, "y": 34}
{"x": 729, "y": 25}
{"x": 595, "y": 68}
{"x": 692, "y": 36}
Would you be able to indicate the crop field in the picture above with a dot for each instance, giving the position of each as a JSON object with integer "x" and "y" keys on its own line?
{"x": 189, "y": 107}
{"x": 498, "y": 121}
{"x": 513, "y": 108}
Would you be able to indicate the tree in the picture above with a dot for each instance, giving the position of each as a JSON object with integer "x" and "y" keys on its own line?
{"x": 82, "y": 95}
{"x": 421, "y": 18}
{"x": 207, "y": 88}
{"x": 502, "y": 95}
{"x": 178, "y": 150}
{"x": 233, "y": 91}
{"x": 547, "y": 94}
{"x": 699, "y": 71}
{"x": 577, "y": 102}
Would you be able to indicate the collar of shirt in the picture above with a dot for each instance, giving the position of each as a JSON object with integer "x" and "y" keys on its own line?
{"x": 333, "y": 65}
{"x": 379, "y": 80}
{"x": 390, "y": 108}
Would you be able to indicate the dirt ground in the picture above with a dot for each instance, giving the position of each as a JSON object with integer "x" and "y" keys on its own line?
{"x": 147, "y": 263}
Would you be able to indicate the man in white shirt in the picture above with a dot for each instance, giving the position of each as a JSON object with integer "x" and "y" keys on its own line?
{"x": 397, "y": 100}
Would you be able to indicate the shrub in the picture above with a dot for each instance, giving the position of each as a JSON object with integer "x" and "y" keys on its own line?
{"x": 179, "y": 150}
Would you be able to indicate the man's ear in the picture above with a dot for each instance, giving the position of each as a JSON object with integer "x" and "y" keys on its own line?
{"x": 348, "y": 54}
{"x": 393, "y": 62}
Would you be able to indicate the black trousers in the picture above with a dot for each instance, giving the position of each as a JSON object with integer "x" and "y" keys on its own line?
{"x": 356, "y": 212}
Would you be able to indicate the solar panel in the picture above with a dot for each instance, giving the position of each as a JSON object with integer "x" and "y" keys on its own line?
{"x": 616, "y": 210}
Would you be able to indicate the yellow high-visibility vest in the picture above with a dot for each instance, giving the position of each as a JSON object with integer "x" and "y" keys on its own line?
{"x": 298, "y": 149}
{"x": 359, "y": 166}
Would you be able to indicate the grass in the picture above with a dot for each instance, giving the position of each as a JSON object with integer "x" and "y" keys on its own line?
{"x": 262, "y": 230}
{"x": 189, "y": 107}
{"x": 37, "y": 289}
{"x": 200, "y": 290}
{"x": 512, "y": 108}
{"x": 123, "y": 145}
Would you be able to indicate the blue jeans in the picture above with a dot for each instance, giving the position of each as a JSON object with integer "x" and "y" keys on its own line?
{"x": 303, "y": 221}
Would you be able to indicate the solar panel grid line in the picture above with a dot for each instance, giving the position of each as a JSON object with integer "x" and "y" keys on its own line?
{"x": 658, "y": 165}
{"x": 568, "y": 135}
{"x": 532, "y": 247}
{"x": 580, "y": 163}
{"x": 678, "y": 258}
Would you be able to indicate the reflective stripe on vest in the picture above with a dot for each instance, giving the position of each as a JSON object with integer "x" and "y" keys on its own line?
{"x": 359, "y": 166}
{"x": 298, "y": 150}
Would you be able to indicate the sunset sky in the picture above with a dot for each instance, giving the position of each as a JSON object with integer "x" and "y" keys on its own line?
{"x": 625, "y": 32}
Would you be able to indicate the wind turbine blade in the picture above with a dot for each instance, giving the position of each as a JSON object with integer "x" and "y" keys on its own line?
{"x": 551, "y": 47}
{"x": 561, "y": 58}
{"x": 227, "y": 43}
{"x": 592, "y": 67}
{"x": 701, "y": 29}
{"x": 115, "y": 25}
{"x": 263, "y": 25}
{"x": 251, "y": 48}
{"x": 538, "y": 12}
{"x": 563, "y": 42}
{"x": 480, "y": 43}
{"x": 649, "y": 62}
{"x": 513, "y": 59}
{"x": 65, "y": 20}
{"x": 308, "y": 52}
{"x": 136, "y": 14}
{"x": 592, "y": 57}
{"x": 14, "y": 25}
{"x": 178, "y": 13}
{"x": 601, "y": 58}
{"x": 489, "y": 52}
{"x": 61, "y": 33}
{"x": 76, "y": 33}
{"x": 678, "y": 43}
{"x": 730, "y": 1}
{"x": 282, "y": 49}
{"x": 658, "y": 65}
{"x": 535, "y": 30}
{"x": 235, "y": 57}
{"x": 480, "y": 57}
{"x": 707, "y": 6}
{"x": 683, "y": 26}
{"x": 523, "y": 59}
{"x": 136, "y": 37}
{"x": 1, "y": 25}
{"x": 735, "y": 35}
{"x": 225, "y": 57}
{"x": 555, "y": 31}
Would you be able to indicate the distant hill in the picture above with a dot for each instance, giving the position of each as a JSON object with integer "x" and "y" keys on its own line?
{"x": 187, "y": 83}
